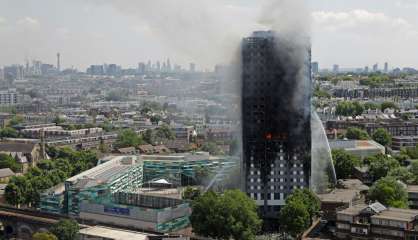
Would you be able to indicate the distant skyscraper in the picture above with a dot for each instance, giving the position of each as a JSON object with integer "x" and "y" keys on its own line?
{"x": 168, "y": 65}
{"x": 149, "y": 66}
{"x": 1, "y": 74}
{"x": 141, "y": 68}
{"x": 192, "y": 67}
{"x": 96, "y": 70}
{"x": 386, "y": 69}
{"x": 375, "y": 67}
{"x": 315, "y": 67}
{"x": 112, "y": 70}
{"x": 335, "y": 68}
{"x": 158, "y": 66}
{"x": 58, "y": 62}
{"x": 366, "y": 69}
{"x": 275, "y": 121}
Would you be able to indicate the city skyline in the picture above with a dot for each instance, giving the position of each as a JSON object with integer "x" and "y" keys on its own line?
{"x": 341, "y": 32}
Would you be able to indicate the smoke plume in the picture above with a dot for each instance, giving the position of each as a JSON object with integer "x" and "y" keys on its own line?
{"x": 198, "y": 30}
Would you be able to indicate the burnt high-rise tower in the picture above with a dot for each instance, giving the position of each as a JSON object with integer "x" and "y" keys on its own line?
{"x": 276, "y": 92}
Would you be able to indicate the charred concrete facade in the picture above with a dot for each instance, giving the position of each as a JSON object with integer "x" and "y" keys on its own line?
{"x": 276, "y": 91}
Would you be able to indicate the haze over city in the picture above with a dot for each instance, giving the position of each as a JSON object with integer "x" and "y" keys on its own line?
{"x": 208, "y": 119}
{"x": 349, "y": 33}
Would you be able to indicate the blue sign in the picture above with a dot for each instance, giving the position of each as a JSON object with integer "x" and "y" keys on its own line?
{"x": 116, "y": 210}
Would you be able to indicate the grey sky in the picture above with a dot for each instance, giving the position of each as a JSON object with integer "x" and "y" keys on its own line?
{"x": 352, "y": 33}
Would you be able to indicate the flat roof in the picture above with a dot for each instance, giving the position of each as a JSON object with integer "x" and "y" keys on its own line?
{"x": 113, "y": 233}
{"x": 104, "y": 172}
{"x": 160, "y": 192}
{"x": 412, "y": 188}
{"x": 397, "y": 214}
{"x": 354, "y": 210}
{"x": 339, "y": 195}
{"x": 355, "y": 144}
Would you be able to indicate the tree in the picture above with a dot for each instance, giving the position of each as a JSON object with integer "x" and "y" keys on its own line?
{"x": 128, "y": 138}
{"x": 16, "y": 190}
{"x": 382, "y": 136}
{"x": 414, "y": 171}
{"x": 202, "y": 175}
{"x": 212, "y": 148}
{"x": 58, "y": 120}
{"x": 386, "y": 105}
{"x": 357, "y": 134}
{"x": 294, "y": 217}
{"x": 402, "y": 174}
{"x": 8, "y": 132}
{"x": 44, "y": 236}
{"x": 191, "y": 193}
{"x": 7, "y": 161}
{"x": 15, "y": 120}
{"x": 229, "y": 215}
{"x": 66, "y": 229}
{"x": 309, "y": 199}
{"x": 148, "y": 136}
{"x": 344, "y": 163}
{"x": 372, "y": 106}
{"x": 380, "y": 165}
{"x": 389, "y": 192}
{"x": 165, "y": 132}
{"x": 155, "y": 119}
{"x": 347, "y": 108}
{"x": 66, "y": 162}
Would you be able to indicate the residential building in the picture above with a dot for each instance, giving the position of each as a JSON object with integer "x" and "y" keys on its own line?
{"x": 412, "y": 196}
{"x": 315, "y": 67}
{"x": 399, "y": 142}
{"x": 25, "y": 153}
{"x": 276, "y": 133}
{"x": 5, "y": 174}
{"x": 375, "y": 221}
{"x": 9, "y": 97}
{"x": 335, "y": 68}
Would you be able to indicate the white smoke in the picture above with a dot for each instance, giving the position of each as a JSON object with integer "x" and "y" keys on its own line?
{"x": 198, "y": 30}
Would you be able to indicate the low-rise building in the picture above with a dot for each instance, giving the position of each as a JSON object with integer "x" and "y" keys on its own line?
{"x": 113, "y": 193}
{"x": 5, "y": 174}
{"x": 399, "y": 142}
{"x": 349, "y": 192}
{"x": 412, "y": 196}
{"x": 360, "y": 148}
{"x": 375, "y": 221}
{"x": 25, "y": 153}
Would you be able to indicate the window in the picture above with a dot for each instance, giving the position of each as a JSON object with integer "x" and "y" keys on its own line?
{"x": 276, "y": 196}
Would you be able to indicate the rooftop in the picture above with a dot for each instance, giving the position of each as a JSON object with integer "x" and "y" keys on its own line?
{"x": 104, "y": 172}
{"x": 354, "y": 210}
{"x": 6, "y": 172}
{"x": 339, "y": 195}
{"x": 16, "y": 147}
{"x": 412, "y": 188}
{"x": 161, "y": 192}
{"x": 354, "y": 144}
{"x": 112, "y": 233}
{"x": 397, "y": 214}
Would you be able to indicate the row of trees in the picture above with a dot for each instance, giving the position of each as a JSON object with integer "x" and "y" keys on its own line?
{"x": 381, "y": 135}
{"x": 355, "y": 108}
{"x": 233, "y": 215}
{"x": 375, "y": 80}
{"x": 129, "y": 138}
{"x": 26, "y": 189}
{"x": 385, "y": 171}
{"x": 65, "y": 229}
